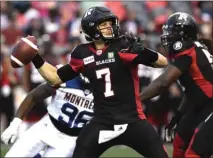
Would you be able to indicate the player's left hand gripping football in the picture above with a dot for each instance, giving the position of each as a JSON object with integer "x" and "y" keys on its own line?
{"x": 170, "y": 129}
{"x": 10, "y": 135}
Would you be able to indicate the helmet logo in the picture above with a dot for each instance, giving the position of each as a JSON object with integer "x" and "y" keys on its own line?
{"x": 177, "y": 46}
{"x": 87, "y": 92}
{"x": 89, "y": 12}
{"x": 165, "y": 27}
{"x": 183, "y": 16}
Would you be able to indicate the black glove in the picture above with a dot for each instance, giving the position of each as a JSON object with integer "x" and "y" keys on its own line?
{"x": 134, "y": 42}
{"x": 130, "y": 38}
{"x": 170, "y": 128}
{"x": 137, "y": 46}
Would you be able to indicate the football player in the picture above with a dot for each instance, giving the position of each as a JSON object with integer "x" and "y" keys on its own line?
{"x": 192, "y": 64}
{"x": 201, "y": 144}
{"x": 110, "y": 62}
{"x": 70, "y": 109}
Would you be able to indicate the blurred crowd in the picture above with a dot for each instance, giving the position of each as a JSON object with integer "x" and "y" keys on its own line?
{"x": 56, "y": 25}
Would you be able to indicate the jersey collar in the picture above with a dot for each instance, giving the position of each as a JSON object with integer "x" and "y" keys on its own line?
{"x": 97, "y": 51}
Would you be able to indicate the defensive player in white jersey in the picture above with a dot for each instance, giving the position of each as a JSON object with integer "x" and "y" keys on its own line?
{"x": 56, "y": 132}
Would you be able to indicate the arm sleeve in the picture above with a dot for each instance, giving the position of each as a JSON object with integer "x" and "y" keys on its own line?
{"x": 66, "y": 73}
{"x": 145, "y": 57}
{"x": 71, "y": 70}
{"x": 76, "y": 62}
{"x": 182, "y": 63}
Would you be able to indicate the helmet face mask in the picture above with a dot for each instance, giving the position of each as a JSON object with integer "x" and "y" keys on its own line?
{"x": 170, "y": 36}
{"x": 91, "y": 20}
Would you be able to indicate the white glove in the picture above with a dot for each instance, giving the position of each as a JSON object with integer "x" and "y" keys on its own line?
{"x": 11, "y": 133}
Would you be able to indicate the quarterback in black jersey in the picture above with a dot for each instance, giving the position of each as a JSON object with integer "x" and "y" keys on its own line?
{"x": 192, "y": 65}
{"x": 110, "y": 62}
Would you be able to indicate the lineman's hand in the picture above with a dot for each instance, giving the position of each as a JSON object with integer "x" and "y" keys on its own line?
{"x": 170, "y": 129}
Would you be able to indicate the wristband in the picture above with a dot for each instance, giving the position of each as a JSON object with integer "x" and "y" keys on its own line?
{"x": 38, "y": 61}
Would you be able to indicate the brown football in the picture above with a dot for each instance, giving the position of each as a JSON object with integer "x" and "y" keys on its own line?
{"x": 24, "y": 51}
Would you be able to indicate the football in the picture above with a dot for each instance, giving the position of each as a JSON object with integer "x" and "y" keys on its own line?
{"x": 24, "y": 51}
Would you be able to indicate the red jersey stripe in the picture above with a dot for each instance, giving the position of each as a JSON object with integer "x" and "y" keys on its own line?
{"x": 139, "y": 107}
{"x": 76, "y": 64}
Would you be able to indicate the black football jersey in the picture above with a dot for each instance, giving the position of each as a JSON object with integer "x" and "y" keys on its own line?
{"x": 114, "y": 80}
{"x": 196, "y": 63}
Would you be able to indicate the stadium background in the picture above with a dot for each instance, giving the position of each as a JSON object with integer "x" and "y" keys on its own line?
{"x": 56, "y": 25}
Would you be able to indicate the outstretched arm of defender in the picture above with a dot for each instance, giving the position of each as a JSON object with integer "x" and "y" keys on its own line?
{"x": 40, "y": 93}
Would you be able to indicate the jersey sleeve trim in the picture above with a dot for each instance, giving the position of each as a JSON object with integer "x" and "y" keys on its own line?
{"x": 185, "y": 52}
{"x": 77, "y": 64}
{"x": 66, "y": 73}
{"x": 127, "y": 57}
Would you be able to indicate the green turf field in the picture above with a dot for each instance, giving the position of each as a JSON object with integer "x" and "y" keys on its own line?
{"x": 119, "y": 151}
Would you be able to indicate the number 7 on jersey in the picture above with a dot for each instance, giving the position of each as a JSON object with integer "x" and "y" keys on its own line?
{"x": 106, "y": 74}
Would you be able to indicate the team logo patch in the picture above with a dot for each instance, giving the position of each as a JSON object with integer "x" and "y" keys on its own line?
{"x": 88, "y": 60}
{"x": 99, "y": 52}
{"x": 86, "y": 92}
{"x": 177, "y": 46}
{"x": 110, "y": 55}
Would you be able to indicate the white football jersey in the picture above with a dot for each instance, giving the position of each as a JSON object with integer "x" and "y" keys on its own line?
{"x": 72, "y": 104}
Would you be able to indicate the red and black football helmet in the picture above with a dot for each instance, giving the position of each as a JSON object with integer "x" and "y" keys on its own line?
{"x": 180, "y": 27}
